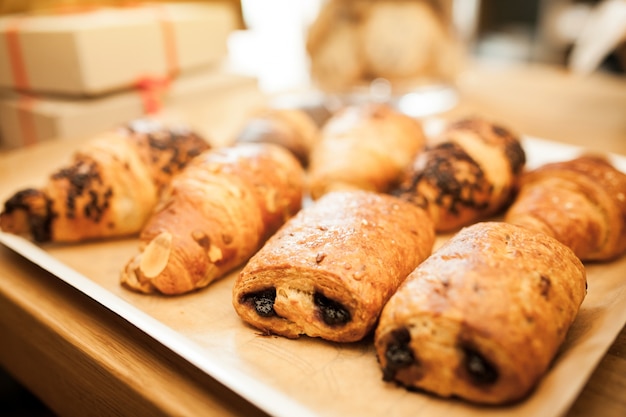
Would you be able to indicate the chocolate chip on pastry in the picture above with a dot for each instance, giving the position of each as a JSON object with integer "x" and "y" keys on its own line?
{"x": 329, "y": 270}
{"x": 469, "y": 173}
{"x": 108, "y": 189}
{"x": 214, "y": 215}
{"x": 483, "y": 317}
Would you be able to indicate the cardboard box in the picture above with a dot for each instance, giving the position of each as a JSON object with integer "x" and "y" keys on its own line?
{"x": 89, "y": 52}
{"x": 26, "y": 120}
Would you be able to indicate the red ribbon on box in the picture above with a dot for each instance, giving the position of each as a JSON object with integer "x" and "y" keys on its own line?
{"x": 20, "y": 79}
{"x": 169, "y": 39}
{"x": 151, "y": 88}
{"x": 16, "y": 60}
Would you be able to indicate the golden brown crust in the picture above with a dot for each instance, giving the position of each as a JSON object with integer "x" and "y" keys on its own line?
{"x": 214, "y": 216}
{"x": 468, "y": 174}
{"x": 108, "y": 189}
{"x": 292, "y": 128}
{"x": 483, "y": 317}
{"x": 330, "y": 269}
{"x": 364, "y": 147}
{"x": 580, "y": 202}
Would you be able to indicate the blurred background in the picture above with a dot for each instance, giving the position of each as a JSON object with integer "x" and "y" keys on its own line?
{"x": 501, "y": 32}
{"x": 542, "y": 31}
{"x": 512, "y": 30}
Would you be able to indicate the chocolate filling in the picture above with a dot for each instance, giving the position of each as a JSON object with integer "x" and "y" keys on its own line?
{"x": 262, "y": 301}
{"x": 398, "y": 353}
{"x": 479, "y": 369}
{"x": 333, "y": 313}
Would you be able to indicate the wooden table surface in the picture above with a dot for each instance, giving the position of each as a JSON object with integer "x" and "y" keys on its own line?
{"x": 82, "y": 359}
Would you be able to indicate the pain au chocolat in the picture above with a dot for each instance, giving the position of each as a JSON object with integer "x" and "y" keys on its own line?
{"x": 330, "y": 269}
{"x": 108, "y": 189}
{"x": 483, "y": 317}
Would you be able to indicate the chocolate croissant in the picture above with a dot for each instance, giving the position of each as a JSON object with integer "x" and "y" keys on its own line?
{"x": 213, "y": 216}
{"x": 292, "y": 128}
{"x": 483, "y": 317}
{"x": 364, "y": 147}
{"x": 108, "y": 189}
{"x": 580, "y": 202}
{"x": 468, "y": 173}
{"x": 330, "y": 269}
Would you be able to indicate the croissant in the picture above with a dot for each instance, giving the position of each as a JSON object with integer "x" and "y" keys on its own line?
{"x": 330, "y": 269}
{"x": 292, "y": 128}
{"x": 580, "y": 202}
{"x": 483, "y": 317}
{"x": 213, "y": 216}
{"x": 467, "y": 174}
{"x": 108, "y": 189}
{"x": 363, "y": 147}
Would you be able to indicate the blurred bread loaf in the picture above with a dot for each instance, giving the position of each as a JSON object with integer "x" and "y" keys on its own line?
{"x": 332, "y": 45}
{"x": 406, "y": 42}
{"x": 402, "y": 39}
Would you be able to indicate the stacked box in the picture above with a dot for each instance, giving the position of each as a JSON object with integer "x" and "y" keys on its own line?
{"x": 26, "y": 120}
{"x": 66, "y": 74}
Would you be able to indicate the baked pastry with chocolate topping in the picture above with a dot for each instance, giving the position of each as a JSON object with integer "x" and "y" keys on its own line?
{"x": 330, "y": 269}
{"x": 364, "y": 147}
{"x": 468, "y": 173}
{"x": 108, "y": 189}
{"x": 581, "y": 202}
{"x": 213, "y": 216}
{"x": 483, "y": 317}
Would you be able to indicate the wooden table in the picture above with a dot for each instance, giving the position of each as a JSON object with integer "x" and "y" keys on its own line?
{"x": 82, "y": 359}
